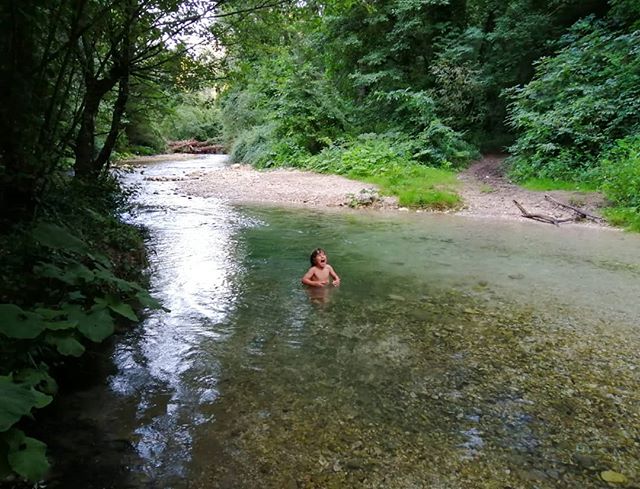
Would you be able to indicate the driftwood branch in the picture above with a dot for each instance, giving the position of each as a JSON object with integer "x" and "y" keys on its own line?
{"x": 580, "y": 212}
{"x": 541, "y": 217}
{"x": 195, "y": 147}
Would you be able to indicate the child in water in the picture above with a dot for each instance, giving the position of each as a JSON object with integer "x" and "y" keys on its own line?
{"x": 320, "y": 271}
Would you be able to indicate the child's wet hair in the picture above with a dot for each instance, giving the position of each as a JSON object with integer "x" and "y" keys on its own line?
{"x": 314, "y": 253}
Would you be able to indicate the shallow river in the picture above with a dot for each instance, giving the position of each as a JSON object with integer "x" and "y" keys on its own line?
{"x": 457, "y": 353}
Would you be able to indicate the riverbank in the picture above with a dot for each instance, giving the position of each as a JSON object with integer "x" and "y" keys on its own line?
{"x": 488, "y": 193}
{"x": 485, "y": 191}
{"x": 245, "y": 184}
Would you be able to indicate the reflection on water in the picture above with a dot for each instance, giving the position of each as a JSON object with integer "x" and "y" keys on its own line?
{"x": 455, "y": 353}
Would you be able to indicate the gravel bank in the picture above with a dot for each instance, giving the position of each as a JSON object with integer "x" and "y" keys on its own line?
{"x": 244, "y": 184}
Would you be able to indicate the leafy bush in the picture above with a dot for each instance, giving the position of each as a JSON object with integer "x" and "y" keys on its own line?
{"x": 194, "y": 116}
{"x": 621, "y": 173}
{"x": 255, "y": 146}
{"x": 620, "y": 181}
{"x": 625, "y": 217}
{"x": 60, "y": 290}
{"x": 388, "y": 163}
{"x": 412, "y": 122}
{"x": 440, "y": 146}
{"x": 460, "y": 88}
{"x": 579, "y": 101}
{"x": 282, "y": 99}
{"x": 142, "y": 136}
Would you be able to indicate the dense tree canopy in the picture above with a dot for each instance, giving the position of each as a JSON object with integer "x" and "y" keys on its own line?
{"x": 68, "y": 69}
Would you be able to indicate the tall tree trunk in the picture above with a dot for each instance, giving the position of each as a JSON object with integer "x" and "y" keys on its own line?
{"x": 85, "y": 144}
{"x": 116, "y": 118}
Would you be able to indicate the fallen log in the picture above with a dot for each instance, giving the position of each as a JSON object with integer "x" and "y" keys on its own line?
{"x": 194, "y": 146}
{"x": 580, "y": 212}
{"x": 541, "y": 217}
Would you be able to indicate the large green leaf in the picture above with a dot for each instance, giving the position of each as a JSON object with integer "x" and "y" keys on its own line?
{"x": 116, "y": 305}
{"x": 60, "y": 325}
{"x": 147, "y": 300}
{"x": 27, "y": 456}
{"x": 38, "y": 378}
{"x": 19, "y": 324}
{"x": 95, "y": 325}
{"x": 66, "y": 345}
{"x": 124, "y": 310}
{"x": 101, "y": 259}
{"x": 76, "y": 295}
{"x": 72, "y": 275}
{"x": 54, "y": 319}
{"x": 17, "y": 400}
{"x": 58, "y": 238}
{"x": 49, "y": 314}
{"x": 78, "y": 271}
{"x": 49, "y": 270}
{"x": 109, "y": 277}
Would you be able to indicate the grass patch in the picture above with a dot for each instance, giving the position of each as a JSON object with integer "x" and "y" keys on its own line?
{"x": 392, "y": 168}
{"x": 418, "y": 186}
{"x": 626, "y": 217}
{"x": 545, "y": 184}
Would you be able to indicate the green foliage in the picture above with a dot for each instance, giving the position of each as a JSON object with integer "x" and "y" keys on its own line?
{"x": 282, "y": 99}
{"x": 69, "y": 70}
{"x": 620, "y": 181}
{"x": 255, "y": 146}
{"x": 389, "y": 164}
{"x": 580, "y": 101}
{"x": 369, "y": 155}
{"x": 542, "y": 184}
{"x": 17, "y": 400}
{"x": 460, "y": 88}
{"x": 462, "y": 53}
{"x": 24, "y": 455}
{"x": 192, "y": 116}
{"x": 621, "y": 172}
{"x": 626, "y": 217}
{"x": 79, "y": 298}
{"x": 66, "y": 283}
{"x": 625, "y": 13}
{"x": 145, "y": 108}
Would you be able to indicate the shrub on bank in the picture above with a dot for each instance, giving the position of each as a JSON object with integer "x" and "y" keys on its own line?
{"x": 620, "y": 176}
{"x": 68, "y": 279}
{"x": 579, "y": 102}
{"x": 388, "y": 163}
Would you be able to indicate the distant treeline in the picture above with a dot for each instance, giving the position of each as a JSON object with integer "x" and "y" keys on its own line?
{"x": 553, "y": 83}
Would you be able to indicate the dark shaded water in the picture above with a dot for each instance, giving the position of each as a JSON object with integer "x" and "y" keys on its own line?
{"x": 456, "y": 353}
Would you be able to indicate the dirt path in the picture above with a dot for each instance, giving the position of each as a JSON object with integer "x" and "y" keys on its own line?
{"x": 486, "y": 192}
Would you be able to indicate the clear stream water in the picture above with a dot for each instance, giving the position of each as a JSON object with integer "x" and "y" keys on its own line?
{"x": 456, "y": 353}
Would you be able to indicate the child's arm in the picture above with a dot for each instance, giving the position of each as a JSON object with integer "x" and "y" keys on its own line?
{"x": 334, "y": 276}
{"x": 307, "y": 279}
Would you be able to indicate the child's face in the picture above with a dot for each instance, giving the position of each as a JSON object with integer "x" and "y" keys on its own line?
{"x": 321, "y": 260}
